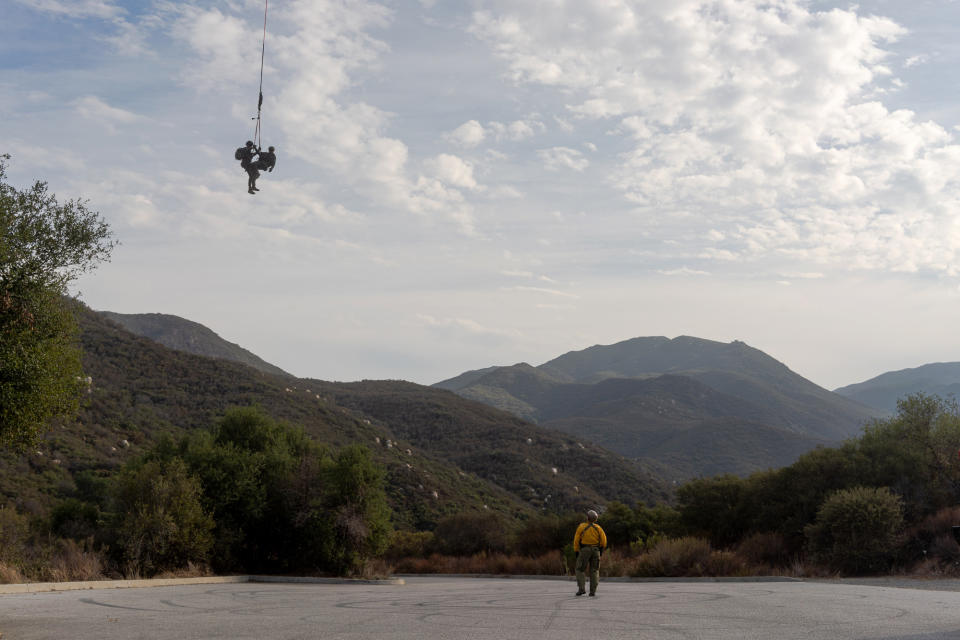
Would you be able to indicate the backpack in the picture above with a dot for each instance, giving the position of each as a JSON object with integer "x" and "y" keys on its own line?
{"x": 240, "y": 153}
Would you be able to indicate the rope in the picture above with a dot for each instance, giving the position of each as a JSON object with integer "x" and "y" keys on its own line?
{"x": 263, "y": 51}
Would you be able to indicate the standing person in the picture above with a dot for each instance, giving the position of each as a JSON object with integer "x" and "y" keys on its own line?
{"x": 589, "y": 542}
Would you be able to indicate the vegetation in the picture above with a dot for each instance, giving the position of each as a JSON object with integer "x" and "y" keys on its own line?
{"x": 856, "y": 530}
{"x": 44, "y": 245}
{"x": 249, "y": 495}
{"x": 159, "y": 475}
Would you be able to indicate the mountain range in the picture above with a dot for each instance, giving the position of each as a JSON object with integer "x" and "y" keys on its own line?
{"x": 443, "y": 453}
{"x": 679, "y": 407}
{"x": 883, "y": 391}
{"x": 697, "y": 406}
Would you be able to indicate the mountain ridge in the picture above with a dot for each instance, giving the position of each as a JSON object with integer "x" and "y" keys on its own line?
{"x": 190, "y": 337}
{"x": 883, "y": 391}
{"x": 632, "y": 395}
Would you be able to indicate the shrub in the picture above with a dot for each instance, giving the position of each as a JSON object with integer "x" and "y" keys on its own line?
{"x": 158, "y": 520}
{"x": 543, "y": 533}
{"x": 550, "y": 564}
{"x": 931, "y": 540}
{"x": 728, "y": 563}
{"x": 856, "y": 530}
{"x": 75, "y": 519}
{"x": 713, "y": 507}
{"x": 469, "y": 533}
{"x": 14, "y": 537}
{"x": 409, "y": 544}
{"x": 675, "y": 557}
{"x": 72, "y": 562}
{"x": 768, "y": 549}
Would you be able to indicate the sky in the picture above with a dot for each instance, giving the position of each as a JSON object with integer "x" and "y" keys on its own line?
{"x": 467, "y": 183}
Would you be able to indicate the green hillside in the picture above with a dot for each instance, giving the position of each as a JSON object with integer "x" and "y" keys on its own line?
{"x": 192, "y": 337}
{"x": 141, "y": 390}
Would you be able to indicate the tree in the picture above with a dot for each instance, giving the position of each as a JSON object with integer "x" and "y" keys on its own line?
{"x": 358, "y": 503}
{"x": 157, "y": 518}
{"x": 44, "y": 245}
{"x": 713, "y": 507}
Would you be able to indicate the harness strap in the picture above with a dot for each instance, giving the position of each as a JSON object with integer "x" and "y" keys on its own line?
{"x": 589, "y": 526}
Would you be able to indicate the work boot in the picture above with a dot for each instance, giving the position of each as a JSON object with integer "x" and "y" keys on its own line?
{"x": 251, "y": 192}
{"x": 592, "y": 595}
{"x": 580, "y": 593}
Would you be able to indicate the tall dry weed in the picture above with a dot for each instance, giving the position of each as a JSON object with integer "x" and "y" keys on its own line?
{"x": 765, "y": 549}
{"x": 675, "y": 557}
{"x": 10, "y": 574}
{"x": 70, "y": 563}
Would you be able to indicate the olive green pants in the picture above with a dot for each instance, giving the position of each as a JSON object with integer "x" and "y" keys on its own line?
{"x": 588, "y": 556}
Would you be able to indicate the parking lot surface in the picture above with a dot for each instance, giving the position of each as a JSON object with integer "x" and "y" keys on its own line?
{"x": 494, "y": 609}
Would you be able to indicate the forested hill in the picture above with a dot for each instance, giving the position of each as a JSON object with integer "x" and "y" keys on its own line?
{"x": 429, "y": 440}
{"x": 185, "y": 335}
{"x": 664, "y": 400}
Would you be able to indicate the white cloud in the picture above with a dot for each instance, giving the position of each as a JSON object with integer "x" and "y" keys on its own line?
{"x": 472, "y": 133}
{"x": 913, "y": 61}
{"x": 544, "y": 290}
{"x": 682, "y": 271}
{"x": 94, "y": 108}
{"x": 757, "y": 119}
{"x": 468, "y": 327}
{"x": 469, "y": 134}
{"x": 454, "y": 171}
{"x": 76, "y": 8}
{"x": 558, "y": 158}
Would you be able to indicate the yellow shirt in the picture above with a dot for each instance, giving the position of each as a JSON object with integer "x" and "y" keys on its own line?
{"x": 589, "y": 534}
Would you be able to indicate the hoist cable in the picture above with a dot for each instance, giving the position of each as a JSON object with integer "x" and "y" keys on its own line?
{"x": 263, "y": 51}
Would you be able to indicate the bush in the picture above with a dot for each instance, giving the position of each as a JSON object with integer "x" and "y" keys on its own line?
{"x": 675, "y": 557}
{"x": 856, "y": 530}
{"x": 931, "y": 540}
{"x": 543, "y": 533}
{"x": 469, "y": 533}
{"x": 158, "y": 520}
{"x": 713, "y": 507}
{"x": 550, "y": 564}
{"x": 409, "y": 544}
{"x": 75, "y": 519}
{"x": 769, "y": 549}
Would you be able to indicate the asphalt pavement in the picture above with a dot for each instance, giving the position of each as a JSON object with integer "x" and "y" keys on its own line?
{"x": 488, "y": 609}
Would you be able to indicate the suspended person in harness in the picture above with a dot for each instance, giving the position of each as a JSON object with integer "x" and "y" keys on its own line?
{"x": 266, "y": 162}
{"x": 245, "y": 155}
{"x": 589, "y": 542}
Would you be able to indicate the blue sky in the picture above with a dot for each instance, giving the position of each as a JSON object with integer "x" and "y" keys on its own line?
{"x": 462, "y": 184}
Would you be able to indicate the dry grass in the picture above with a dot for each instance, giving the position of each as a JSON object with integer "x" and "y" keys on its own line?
{"x": 548, "y": 564}
{"x": 190, "y": 571}
{"x": 71, "y": 562}
{"x": 10, "y": 574}
{"x": 768, "y": 549}
{"x": 668, "y": 558}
